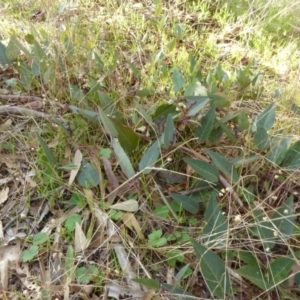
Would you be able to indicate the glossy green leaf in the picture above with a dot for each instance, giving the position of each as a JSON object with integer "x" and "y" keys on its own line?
{"x": 4, "y": 61}
{"x": 87, "y": 176}
{"x": 216, "y": 228}
{"x": 226, "y": 167}
{"x": 213, "y": 271}
{"x": 284, "y": 219}
{"x": 195, "y": 104}
{"x": 178, "y": 80}
{"x": 150, "y": 157}
{"x": 254, "y": 275}
{"x": 123, "y": 159}
{"x": 148, "y": 282}
{"x": 206, "y": 125}
{"x": 292, "y": 157}
{"x": 278, "y": 151}
{"x": 266, "y": 119}
{"x": 169, "y": 132}
{"x": 128, "y": 139}
{"x": 188, "y": 203}
{"x": 49, "y": 154}
{"x": 204, "y": 169}
{"x": 261, "y": 139}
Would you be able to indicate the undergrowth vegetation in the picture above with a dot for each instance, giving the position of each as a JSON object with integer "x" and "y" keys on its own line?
{"x": 151, "y": 150}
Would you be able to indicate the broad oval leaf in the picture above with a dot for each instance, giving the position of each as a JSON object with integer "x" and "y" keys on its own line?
{"x": 128, "y": 139}
{"x": 292, "y": 157}
{"x": 107, "y": 123}
{"x": 261, "y": 139}
{"x": 87, "y": 176}
{"x": 130, "y": 205}
{"x": 277, "y": 153}
{"x": 204, "y": 169}
{"x": 267, "y": 118}
{"x": 225, "y": 166}
{"x": 280, "y": 269}
{"x": 148, "y": 282}
{"x": 284, "y": 219}
{"x": 4, "y": 61}
{"x": 203, "y": 131}
{"x": 178, "y": 80}
{"x": 213, "y": 271}
{"x": 150, "y": 157}
{"x": 216, "y": 227}
{"x": 123, "y": 159}
{"x": 188, "y": 203}
{"x": 164, "y": 110}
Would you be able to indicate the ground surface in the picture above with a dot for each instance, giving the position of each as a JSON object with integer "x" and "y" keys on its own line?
{"x": 138, "y": 140}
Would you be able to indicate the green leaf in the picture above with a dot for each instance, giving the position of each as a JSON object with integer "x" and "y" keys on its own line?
{"x": 144, "y": 92}
{"x": 241, "y": 161}
{"x": 277, "y": 153}
{"x": 247, "y": 257}
{"x": 195, "y": 104}
{"x": 254, "y": 275}
{"x": 13, "y": 48}
{"x": 204, "y": 169}
{"x": 40, "y": 238}
{"x": 156, "y": 239}
{"x": 128, "y": 139}
{"x": 178, "y": 80}
{"x": 69, "y": 263}
{"x": 164, "y": 110}
{"x": 263, "y": 229}
{"x": 279, "y": 270}
{"x": 107, "y": 124}
{"x": 292, "y": 157}
{"x": 87, "y": 176}
{"x": 216, "y": 227}
{"x": 177, "y": 292}
{"x": 227, "y": 130}
{"x": 82, "y": 276}
{"x": 123, "y": 159}
{"x": 213, "y": 271}
{"x": 71, "y": 221}
{"x": 50, "y": 156}
{"x": 173, "y": 256}
{"x": 226, "y": 167}
{"x": 105, "y": 153}
{"x": 188, "y": 203}
{"x": 106, "y": 102}
{"x": 4, "y": 61}
{"x": 203, "y": 131}
{"x": 219, "y": 100}
{"x": 150, "y": 157}
{"x": 261, "y": 139}
{"x": 30, "y": 254}
{"x": 243, "y": 121}
{"x": 284, "y": 219}
{"x": 169, "y": 132}
{"x": 148, "y": 282}
{"x": 266, "y": 119}
{"x": 144, "y": 114}
{"x": 87, "y": 114}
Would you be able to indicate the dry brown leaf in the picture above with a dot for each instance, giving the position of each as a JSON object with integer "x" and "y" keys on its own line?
{"x": 130, "y": 205}
{"x": 112, "y": 179}
{"x": 6, "y": 125}
{"x": 81, "y": 241}
{"x": 131, "y": 222}
{"x": 34, "y": 105}
{"x": 76, "y": 161}
{"x": 55, "y": 142}
{"x": 4, "y": 195}
{"x": 4, "y": 274}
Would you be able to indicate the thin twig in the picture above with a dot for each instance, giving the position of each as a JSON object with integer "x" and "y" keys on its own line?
{"x": 222, "y": 179}
{"x": 22, "y": 111}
